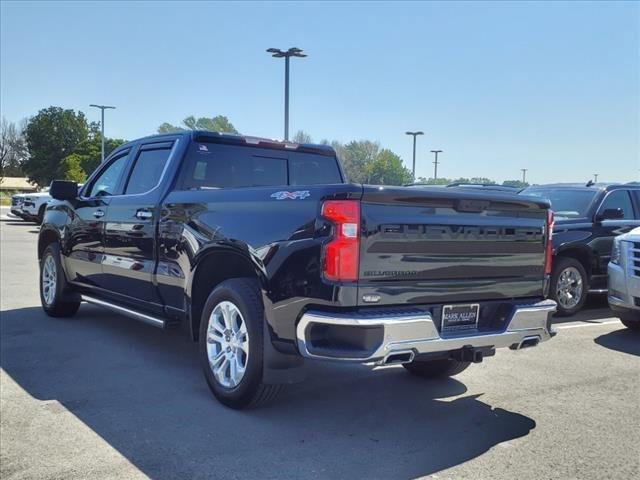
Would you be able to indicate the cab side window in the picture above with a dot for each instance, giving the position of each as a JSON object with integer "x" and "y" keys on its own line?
{"x": 147, "y": 170}
{"x": 618, "y": 199}
{"x": 107, "y": 182}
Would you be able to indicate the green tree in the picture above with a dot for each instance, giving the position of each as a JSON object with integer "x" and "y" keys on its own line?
{"x": 355, "y": 156}
{"x": 515, "y": 183}
{"x": 387, "y": 169}
{"x": 71, "y": 168}
{"x": 219, "y": 123}
{"x": 51, "y": 135}
{"x": 302, "y": 137}
{"x": 90, "y": 150}
{"x": 431, "y": 181}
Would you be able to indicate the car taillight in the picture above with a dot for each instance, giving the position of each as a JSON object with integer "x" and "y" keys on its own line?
{"x": 548, "y": 250}
{"x": 341, "y": 254}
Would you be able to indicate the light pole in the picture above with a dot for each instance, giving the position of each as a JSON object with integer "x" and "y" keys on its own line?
{"x": 595, "y": 178}
{"x": 102, "y": 109}
{"x": 524, "y": 174}
{"x": 435, "y": 163}
{"x": 414, "y": 134}
{"x": 277, "y": 53}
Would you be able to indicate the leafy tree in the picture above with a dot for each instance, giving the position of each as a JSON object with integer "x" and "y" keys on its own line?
{"x": 90, "y": 150}
{"x": 13, "y": 149}
{"x": 431, "y": 181}
{"x": 219, "y": 123}
{"x": 71, "y": 168}
{"x": 515, "y": 183}
{"x": 51, "y": 135}
{"x": 387, "y": 169}
{"x": 302, "y": 137}
{"x": 355, "y": 156}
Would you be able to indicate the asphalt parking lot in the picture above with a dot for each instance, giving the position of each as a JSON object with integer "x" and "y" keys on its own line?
{"x": 102, "y": 396}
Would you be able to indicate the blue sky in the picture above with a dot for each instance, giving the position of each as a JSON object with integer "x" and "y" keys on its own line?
{"x": 552, "y": 87}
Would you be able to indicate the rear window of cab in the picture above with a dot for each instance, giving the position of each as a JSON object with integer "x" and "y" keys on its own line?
{"x": 213, "y": 165}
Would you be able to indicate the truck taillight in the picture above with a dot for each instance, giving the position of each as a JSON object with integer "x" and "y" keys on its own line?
{"x": 548, "y": 249}
{"x": 341, "y": 254}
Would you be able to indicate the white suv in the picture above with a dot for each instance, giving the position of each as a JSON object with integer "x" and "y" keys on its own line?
{"x": 34, "y": 205}
{"x": 624, "y": 279}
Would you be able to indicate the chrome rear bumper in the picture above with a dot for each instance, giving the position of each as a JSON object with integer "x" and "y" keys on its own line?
{"x": 417, "y": 333}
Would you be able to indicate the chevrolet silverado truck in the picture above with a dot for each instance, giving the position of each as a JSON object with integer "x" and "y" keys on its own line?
{"x": 267, "y": 256}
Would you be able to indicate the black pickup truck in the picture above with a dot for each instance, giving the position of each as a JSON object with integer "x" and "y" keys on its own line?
{"x": 265, "y": 254}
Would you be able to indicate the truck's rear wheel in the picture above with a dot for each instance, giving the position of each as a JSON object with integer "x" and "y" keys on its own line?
{"x": 54, "y": 295}
{"x": 436, "y": 368}
{"x": 569, "y": 285}
{"x": 231, "y": 348}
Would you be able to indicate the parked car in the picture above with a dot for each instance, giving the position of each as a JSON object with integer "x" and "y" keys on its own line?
{"x": 34, "y": 205}
{"x": 624, "y": 279}
{"x": 16, "y": 204}
{"x": 587, "y": 219}
{"x": 265, "y": 254}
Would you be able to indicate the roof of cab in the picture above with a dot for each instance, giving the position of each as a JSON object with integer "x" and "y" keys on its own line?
{"x": 236, "y": 139}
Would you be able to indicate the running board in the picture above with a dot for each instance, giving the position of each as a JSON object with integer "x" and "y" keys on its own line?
{"x": 143, "y": 317}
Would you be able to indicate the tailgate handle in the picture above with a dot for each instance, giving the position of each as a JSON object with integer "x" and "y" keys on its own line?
{"x": 472, "y": 205}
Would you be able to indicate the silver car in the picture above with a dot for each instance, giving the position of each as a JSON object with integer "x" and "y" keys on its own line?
{"x": 624, "y": 279}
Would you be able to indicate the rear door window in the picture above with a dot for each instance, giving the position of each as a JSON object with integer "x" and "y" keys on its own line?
{"x": 147, "y": 170}
{"x": 210, "y": 165}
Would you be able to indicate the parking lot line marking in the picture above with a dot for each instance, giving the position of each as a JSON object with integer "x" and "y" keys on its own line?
{"x": 608, "y": 322}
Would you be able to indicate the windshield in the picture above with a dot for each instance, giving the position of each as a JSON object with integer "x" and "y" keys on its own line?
{"x": 565, "y": 202}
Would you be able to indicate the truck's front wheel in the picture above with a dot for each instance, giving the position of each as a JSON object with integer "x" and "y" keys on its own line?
{"x": 436, "y": 368}
{"x": 231, "y": 344}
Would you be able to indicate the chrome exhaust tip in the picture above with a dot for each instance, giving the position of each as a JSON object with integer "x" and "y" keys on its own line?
{"x": 398, "y": 358}
{"x": 528, "y": 342}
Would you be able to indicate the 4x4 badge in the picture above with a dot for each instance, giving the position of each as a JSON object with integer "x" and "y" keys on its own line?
{"x": 297, "y": 195}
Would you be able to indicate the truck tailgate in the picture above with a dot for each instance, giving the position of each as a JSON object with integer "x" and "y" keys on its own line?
{"x": 436, "y": 245}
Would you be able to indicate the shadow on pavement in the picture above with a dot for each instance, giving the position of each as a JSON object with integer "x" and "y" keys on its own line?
{"x": 623, "y": 340}
{"x": 595, "y": 309}
{"x": 142, "y": 391}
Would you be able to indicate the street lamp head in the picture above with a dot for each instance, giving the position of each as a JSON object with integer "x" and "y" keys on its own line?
{"x": 102, "y": 107}
{"x": 292, "y": 52}
{"x": 436, "y": 151}
{"x": 414, "y": 133}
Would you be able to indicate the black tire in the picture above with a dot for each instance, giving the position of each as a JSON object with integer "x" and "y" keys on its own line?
{"x": 250, "y": 391}
{"x": 630, "y": 319}
{"x": 40, "y": 218}
{"x": 436, "y": 368}
{"x": 561, "y": 264}
{"x": 63, "y": 303}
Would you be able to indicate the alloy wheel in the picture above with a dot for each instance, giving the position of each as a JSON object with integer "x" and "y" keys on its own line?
{"x": 49, "y": 280}
{"x": 569, "y": 288}
{"x": 227, "y": 344}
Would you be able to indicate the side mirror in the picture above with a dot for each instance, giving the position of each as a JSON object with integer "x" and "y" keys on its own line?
{"x": 63, "y": 190}
{"x": 610, "y": 214}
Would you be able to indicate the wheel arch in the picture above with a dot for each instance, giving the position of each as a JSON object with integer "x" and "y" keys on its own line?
{"x": 47, "y": 237}
{"x": 580, "y": 253}
{"x": 211, "y": 269}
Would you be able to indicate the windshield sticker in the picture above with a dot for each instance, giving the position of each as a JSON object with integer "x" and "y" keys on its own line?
{"x": 297, "y": 195}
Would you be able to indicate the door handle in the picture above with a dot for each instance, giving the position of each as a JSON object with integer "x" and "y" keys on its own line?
{"x": 98, "y": 214}
{"x": 144, "y": 214}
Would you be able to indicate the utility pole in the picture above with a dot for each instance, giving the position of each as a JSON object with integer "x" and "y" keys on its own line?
{"x": 102, "y": 109}
{"x": 277, "y": 53}
{"x": 414, "y": 134}
{"x": 435, "y": 163}
{"x": 595, "y": 178}
{"x": 524, "y": 174}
